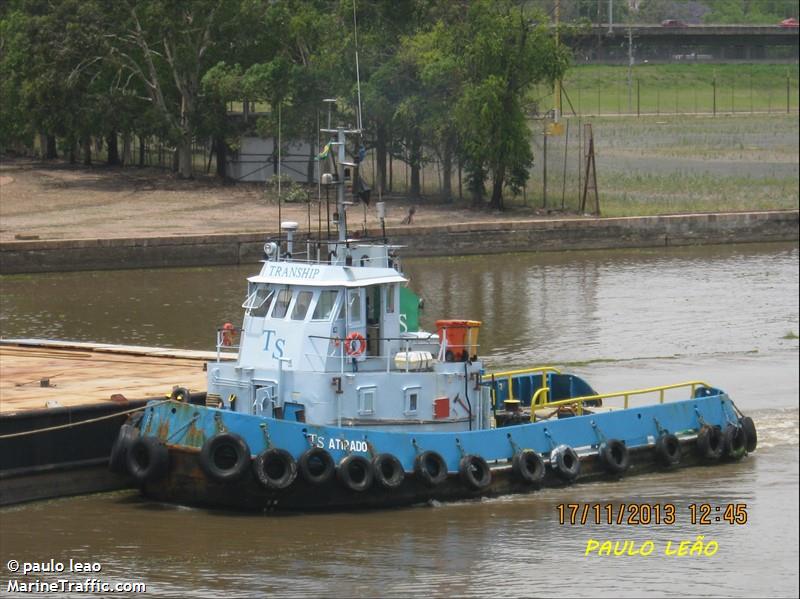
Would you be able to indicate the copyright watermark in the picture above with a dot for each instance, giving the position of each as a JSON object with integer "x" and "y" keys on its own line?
{"x": 29, "y": 581}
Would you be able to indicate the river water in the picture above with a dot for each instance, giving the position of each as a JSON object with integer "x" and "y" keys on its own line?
{"x": 623, "y": 319}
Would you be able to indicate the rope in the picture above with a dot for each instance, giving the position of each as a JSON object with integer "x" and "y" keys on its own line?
{"x": 72, "y": 424}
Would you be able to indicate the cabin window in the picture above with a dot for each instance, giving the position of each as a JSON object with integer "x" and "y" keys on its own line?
{"x": 259, "y": 301}
{"x": 412, "y": 399}
{"x": 325, "y": 304}
{"x": 354, "y": 305}
{"x": 301, "y": 305}
{"x": 282, "y": 303}
{"x": 366, "y": 400}
{"x": 390, "y": 299}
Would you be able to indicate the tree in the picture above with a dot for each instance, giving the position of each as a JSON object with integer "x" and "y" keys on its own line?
{"x": 505, "y": 51}
{"x": 168, "y": 45}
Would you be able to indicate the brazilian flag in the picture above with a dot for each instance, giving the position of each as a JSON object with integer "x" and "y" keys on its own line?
{"x": 325, "y": 152}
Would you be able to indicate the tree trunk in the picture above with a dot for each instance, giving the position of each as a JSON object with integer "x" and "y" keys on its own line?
{"x": 185, "y": 157}
{"x": 496, "y": 202}
{"x": 113, "y": 152}
{"x": 52, "y": 152}
{"x": 380, "y": 156}
{"x": 415, "y": 158}
{"x": 127, "y": 150}
{"x": 141, "y": 151}
{"x": 221, "y": 149}
{"x": 87, "y": 151}
{"x": 73, "y": 151}
{"x": 447, "y": 171}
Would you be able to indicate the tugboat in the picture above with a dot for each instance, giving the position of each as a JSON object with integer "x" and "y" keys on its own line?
{"x": 329, "y": 397}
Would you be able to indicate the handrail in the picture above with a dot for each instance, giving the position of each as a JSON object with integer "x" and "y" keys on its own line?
{"x": 510, "y": 374}
{"x": 624, "y": 394}
{"x": 535, "y": 400}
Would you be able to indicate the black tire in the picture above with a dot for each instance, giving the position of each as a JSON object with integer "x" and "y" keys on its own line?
{"x": 565, "y": 462}
{"x": 475, "y": 472}
{"x": 528, "y": 466}
{"x": 668, "y": 450}
{"x": 734, "y": 439}
{"x": 275, "y": 469}
{"x": 749, "y": 428}
{"x": 614, "y": 456}
{"x": 355, "y": 473}
{"x": 430, "y": 468}
{"x": 710, "y": 444}
{"x": 225, "y": 457}
{"x": 117, "y": 461}
{"x": 388, "y": 471}
{"x": 147, "y": 459}
{"x": 316, "y": 466}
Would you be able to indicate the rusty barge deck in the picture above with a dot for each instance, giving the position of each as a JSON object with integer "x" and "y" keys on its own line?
{"x": 62, "y": 403}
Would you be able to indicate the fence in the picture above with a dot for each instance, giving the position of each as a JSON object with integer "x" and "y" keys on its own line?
{"x": 621, "y": 95}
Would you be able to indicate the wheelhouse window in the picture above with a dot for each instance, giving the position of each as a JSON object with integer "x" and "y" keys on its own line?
{"x": 366, "y": 400}
{"x": 390, "y": 298}
{"x": 284, "y": 297}
{"x": 325, "y": 304}
{"x": 301, "y": 305}
{"x": 354, "y": 305}
{"x": 259, "y": 301}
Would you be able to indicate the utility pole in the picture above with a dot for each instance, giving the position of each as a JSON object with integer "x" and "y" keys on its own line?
{"x": 610, "y": 16}
{"x": 557, "y": 87}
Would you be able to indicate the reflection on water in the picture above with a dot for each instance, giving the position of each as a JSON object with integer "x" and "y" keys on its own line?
{"x": 639, "y": 317}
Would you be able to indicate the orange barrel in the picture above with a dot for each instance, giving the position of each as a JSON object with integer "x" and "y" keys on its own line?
{"x": 461, "y": 336}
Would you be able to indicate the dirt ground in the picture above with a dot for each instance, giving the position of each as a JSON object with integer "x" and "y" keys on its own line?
{"x": 55, "y": 200}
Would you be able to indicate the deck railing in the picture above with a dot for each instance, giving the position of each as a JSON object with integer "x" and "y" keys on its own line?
{"x": 578, "y": 402}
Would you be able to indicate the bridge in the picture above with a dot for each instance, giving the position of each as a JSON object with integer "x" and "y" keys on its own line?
{"x": 658, "y": 42}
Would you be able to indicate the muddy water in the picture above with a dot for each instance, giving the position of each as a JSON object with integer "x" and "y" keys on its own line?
{"x": 727, "y": 315}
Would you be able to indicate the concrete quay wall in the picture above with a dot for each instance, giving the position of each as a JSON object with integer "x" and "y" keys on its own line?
{"x": 441, "y": 240}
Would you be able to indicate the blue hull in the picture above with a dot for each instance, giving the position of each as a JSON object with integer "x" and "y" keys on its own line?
{"x": 183, "y": 429}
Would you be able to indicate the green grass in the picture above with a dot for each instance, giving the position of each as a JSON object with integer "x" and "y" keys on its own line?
{"x": 676, "y": 89}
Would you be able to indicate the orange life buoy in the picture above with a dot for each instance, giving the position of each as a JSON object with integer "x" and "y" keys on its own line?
{"x": 227, "y": 334}
{"x": 355, "y": 349}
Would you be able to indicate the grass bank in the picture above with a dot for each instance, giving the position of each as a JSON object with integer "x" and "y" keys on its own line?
{"x": 672, "y": 164}
{"x": 680, "y": 88}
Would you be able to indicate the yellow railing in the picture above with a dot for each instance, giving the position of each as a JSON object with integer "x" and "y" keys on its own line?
{"x": 578, "y": 401}
{"x": 510, "y": 374}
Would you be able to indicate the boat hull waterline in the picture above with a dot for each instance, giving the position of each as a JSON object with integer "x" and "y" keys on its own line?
{"x": 197, "y": 455}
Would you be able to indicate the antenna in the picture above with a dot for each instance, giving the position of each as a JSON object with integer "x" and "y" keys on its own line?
{"x": 358, "y": 76}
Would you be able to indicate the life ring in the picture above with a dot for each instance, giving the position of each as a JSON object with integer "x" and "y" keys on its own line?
{"x": 227, "y": 334}
{"x": 475, "y": 472}
{"x": 316, "y": 466}
{"x": 431, "y": 468}
{"x": 734, "y": 440}
{"x": 614, "y": 455}
{"x": 564, "y": 460}
{"x": 388, "y": 470}
{"x": 119, "y": 451}
{"x": 225, "y": 457}
{"x": 528, "y": 466}
{"x": 709, "y": 442}
{"x": 275, "y": 468}
{"x": 351, "y": 348}
{"x": 668, "y": 449}
{"x": 147, "y": 459}
{"x": 355, "y": 472}
{"x": 749, "y": 428}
